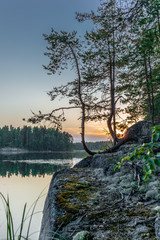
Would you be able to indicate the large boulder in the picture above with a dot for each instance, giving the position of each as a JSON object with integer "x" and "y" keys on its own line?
{"x": 92, "y": 201}
{"x": 140, "y": 132}
{"x": 106, "y": 160}
{"x": 85, "y": 200}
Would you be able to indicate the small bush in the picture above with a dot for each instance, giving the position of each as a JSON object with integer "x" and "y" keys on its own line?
{"x": 146, "y": 153}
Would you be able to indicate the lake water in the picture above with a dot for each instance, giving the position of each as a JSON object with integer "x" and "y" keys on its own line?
{"x": 26, "y": 178}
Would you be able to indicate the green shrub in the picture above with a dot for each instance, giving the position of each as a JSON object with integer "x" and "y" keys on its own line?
{"x": 146, "y": 153}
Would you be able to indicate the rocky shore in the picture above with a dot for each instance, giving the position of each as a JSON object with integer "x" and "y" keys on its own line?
{"x": 93, "y": 202}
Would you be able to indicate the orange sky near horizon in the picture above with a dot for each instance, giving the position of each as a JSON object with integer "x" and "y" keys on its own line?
{"x": 94, "y": 131}
{"x": 24, "y": 82}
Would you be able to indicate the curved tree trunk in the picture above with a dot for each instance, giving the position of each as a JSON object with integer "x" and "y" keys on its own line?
{"x": 132, "y": 134}
{"x": 112, "y": 94}
{"x": 147, "y": 86}
{"x": 82, "y": 105}
{"x": 152, "y": 94}
{"x": 83, "y": 132}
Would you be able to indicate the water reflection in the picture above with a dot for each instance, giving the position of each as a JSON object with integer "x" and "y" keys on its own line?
{"x": 23, "y": 177}
{"x": 38, "y": 155}
{"x": 9, "y": 168}
{"x": 36, "y": 164}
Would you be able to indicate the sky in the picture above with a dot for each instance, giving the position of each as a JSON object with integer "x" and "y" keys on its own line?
{"x": 23, "y": 81}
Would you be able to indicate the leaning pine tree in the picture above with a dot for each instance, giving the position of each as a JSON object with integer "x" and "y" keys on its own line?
{"x": 103, "y": 54}
{"x": 93, "y": 91}
{"x": 65, "y": 50}
{"x": 106, "y": 72}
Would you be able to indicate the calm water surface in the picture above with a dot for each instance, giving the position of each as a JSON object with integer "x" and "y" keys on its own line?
{"x": 25, "y": 178}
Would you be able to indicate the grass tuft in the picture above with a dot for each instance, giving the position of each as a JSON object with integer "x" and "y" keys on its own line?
{"x": 18, "y": 234}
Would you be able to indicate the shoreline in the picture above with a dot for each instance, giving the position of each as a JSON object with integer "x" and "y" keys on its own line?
{"x": 10, "y": 150}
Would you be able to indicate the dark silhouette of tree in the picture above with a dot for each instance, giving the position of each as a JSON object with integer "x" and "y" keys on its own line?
{"x": 140, "y": 83}
{"x": 117, "y": 63}
{"x": 64, "y": 49}
{"x": 103, "y": 54}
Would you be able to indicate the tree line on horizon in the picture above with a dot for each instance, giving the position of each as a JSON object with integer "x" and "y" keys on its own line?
{"x": 117, "y": 66}
{"x": 36, "y": 138}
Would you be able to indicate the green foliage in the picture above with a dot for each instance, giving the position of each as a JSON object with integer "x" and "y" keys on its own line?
{"x": 146, "y": 153}
{"x": 118, "y": 61}
{"x": 140, "y": 78}
{"x": 37, "y": 138}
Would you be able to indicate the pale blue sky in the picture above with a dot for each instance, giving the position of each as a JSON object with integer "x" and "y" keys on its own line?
{"x": 23, "y": 81}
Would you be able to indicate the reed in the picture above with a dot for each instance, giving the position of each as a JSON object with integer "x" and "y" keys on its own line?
{"x": 11, "y": 234}
{"x": 57, "y": 236}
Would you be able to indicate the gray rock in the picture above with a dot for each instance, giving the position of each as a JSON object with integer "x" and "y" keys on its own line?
{"x": 83, "y": 235}
{"x": 156, "y": 209}
{"x": 86, "y": 162}
{"x": 92, "y": 197}
{"x": 143, "y": 188}
{"x": 157, "y": 227}
{"x": 140, "y": 131}
{"x": 51, "y": 210}
{"x": 151, "y": 194}
{"x": 140, "y": 229}
{"x": 154, "y": 184}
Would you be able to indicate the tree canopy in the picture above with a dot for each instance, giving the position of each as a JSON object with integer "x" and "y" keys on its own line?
{"x": 117, "y": 66}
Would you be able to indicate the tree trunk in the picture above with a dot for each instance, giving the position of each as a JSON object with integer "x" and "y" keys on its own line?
{"x": 152, "y": 94}
{"x": 148, "y": 87}
{"x": 82, "y": 104}
{"x": 112, "y": 95}
{"x": 113, "y": 91}
{"x": 83, "y": 132}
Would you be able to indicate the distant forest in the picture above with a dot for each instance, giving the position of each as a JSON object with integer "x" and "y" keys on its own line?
{"x": 36, "y": 138}
{"x": 42, "y": 139}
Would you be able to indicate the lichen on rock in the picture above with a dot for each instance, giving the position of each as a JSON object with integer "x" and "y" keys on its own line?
{"x": 84, "y": 201}
{"x": 94, "y": 199}
{"x": 83, "y": 235}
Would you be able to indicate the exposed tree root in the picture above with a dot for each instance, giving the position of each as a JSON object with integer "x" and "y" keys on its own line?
{"x": 132, "y": 134}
